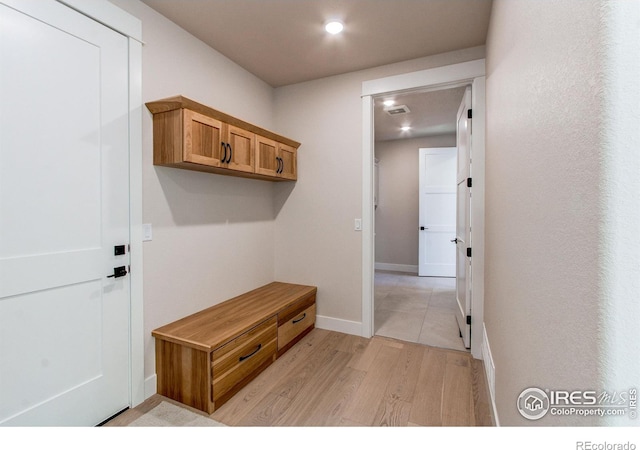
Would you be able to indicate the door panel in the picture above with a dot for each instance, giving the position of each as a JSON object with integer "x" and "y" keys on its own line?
{"x": 203, "y": 139}
{"x": 266, "y": 152}
{"x": 437, "y": 212}
{"x": 242, "y": 149}
{"x": 288, "y": 162}
{"x": 463, "y": 232}
{"x": 64, "y": 205}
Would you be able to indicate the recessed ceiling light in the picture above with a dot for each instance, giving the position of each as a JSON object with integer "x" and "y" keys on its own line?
{"x": 334, "y": 27}
{"x": 388, "y": 102}
{"x": 405, "y": 128}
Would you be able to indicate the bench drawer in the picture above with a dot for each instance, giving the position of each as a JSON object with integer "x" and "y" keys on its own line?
{"x": 240, "y": 360}
{"x": 294, "y": 326}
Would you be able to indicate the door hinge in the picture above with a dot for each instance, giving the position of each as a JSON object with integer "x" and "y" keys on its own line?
{"x": 469, "y": 182}
{"x": 468, "y": 320}
{"x": 469, "y": 252}
{"x": 469, "y": 114}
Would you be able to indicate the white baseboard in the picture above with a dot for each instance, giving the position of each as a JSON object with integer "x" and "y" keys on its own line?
{"x": 408, "y": 268}
{"x": 490, "y": 372}
{"x": 150, "y": 386}
{"x": 339, "y": 325}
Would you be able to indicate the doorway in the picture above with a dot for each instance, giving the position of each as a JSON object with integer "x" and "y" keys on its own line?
{"x": 455, "y": 75}
{"x": 415, "y": 187}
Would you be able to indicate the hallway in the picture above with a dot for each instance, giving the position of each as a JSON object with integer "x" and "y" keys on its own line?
{"x": 416, "y": 309}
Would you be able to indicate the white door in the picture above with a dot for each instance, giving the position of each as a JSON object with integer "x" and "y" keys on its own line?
{"x": 463, "y": 231}
{"x": 437, "y": 212}
{"x": 64, "y": 206}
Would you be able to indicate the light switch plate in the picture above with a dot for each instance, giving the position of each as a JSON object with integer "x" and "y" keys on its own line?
{"x": 147, "y": 232}
{"x": 358, "y": 225}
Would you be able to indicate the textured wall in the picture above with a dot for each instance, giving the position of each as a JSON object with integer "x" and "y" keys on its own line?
{"x": 620, "y": 242}
{"x": 548, "y": 304}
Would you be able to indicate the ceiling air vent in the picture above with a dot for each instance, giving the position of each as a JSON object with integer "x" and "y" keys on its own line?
{"x": 395, "y": 110}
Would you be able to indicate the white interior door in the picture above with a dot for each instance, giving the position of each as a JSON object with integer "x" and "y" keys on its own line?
{"x": 437, "y": 212}
{"x": 463, "y": 231}
{"x": 64, "y": 206}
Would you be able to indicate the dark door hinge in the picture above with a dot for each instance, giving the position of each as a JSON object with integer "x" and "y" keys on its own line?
{"x": 468, "y": 320}
{"x": 469, "y": 182}
{"x": 469, "y": 114}
{"x": 469, "y": 252}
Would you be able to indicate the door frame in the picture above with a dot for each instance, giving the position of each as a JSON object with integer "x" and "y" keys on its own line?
{"x": 454, "y": 75}
{"x": 124, "y": 23}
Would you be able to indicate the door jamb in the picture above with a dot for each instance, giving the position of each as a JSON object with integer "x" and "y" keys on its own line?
{"x": 442, "y": 77}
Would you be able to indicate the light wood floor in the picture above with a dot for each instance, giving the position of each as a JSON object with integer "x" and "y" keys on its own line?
{"x": 335, "y": 379}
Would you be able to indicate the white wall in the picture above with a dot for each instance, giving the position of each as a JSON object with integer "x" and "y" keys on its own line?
{"x": 212, "y": 234}
{"x": 315, "y": 239}
{"x": 553, "y": 152}
{"x": 397, "y": 214}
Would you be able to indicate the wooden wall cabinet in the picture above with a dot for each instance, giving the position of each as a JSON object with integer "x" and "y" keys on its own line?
{"x": 192, "y": 136}
{"x": 203, "y": 359}
{"x": 276, "y": 159}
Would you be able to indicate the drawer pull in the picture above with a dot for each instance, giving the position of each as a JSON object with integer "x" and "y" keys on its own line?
{"x": 242, "y": 358}
{"x": 300, "y": 319}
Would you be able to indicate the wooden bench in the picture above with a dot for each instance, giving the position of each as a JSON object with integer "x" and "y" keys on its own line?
{"x": 203, "y": 359}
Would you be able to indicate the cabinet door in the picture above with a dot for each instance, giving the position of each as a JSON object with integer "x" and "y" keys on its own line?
{"x": 266, "y": 156}
{"x": 240, "y": 150}
{"x": 202, "y": 139}
{"x": 288, "y": 162}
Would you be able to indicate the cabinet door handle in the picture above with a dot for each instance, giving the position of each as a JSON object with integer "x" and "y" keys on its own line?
{"x": 279, "y": 170}
{"x": 230, "y": 153}
{"x": 300, "y": 319}
{"x": 224, "y": 149}
{"x": 242, "y": 358}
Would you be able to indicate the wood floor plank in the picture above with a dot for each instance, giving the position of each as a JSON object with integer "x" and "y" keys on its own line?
{"x": 395, "y": 408}
{"x": 481, "y": 407}
{"x": 335, "y": 398}
{"x": 303, "y": 409}
{"x": 363, "y": 360}
{"x": 297, "y": 378}
{"x": 404, "y": 379}
{"x": 266, "y": 412}
{"x": 392, "y": 412}
{"x": 457, "y": 406}
{"x": 352, "y": 344}
{"x": 350, "y": 423}
{"x": 426, "y": 407}
{"x": 391, "y": 342}
{"x": 370, "y": 393}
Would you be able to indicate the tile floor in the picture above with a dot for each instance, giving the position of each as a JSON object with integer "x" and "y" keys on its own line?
{"x": 417, "y": 309}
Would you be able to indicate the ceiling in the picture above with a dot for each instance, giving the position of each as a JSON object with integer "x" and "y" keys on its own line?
{"x": 283, "y": 41}
{"x": 430, "y": 114}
